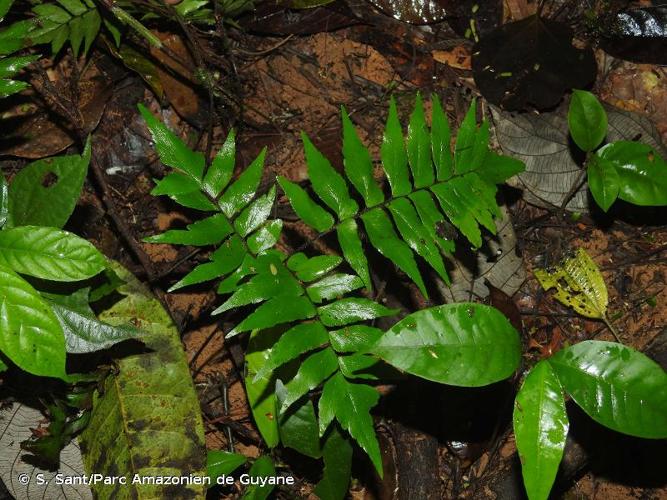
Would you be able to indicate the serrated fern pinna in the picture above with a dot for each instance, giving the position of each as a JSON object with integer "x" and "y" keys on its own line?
{"x": 322, "y": 319}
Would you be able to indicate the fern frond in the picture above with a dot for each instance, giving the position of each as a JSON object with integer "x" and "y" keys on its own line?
{"x": 421, "y": 170}
{"x": 76, "y": 21}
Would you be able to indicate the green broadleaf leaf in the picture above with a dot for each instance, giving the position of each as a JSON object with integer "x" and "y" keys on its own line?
{"x": 393, "y": 154}
{"x": 419, "y": 147}
{"x": 337, "y": 454}
{"x": 355, "y": 338}
{"x": 353, "y": 251}
{"x": 221, "y": 463}
{"x": 352, "y": 310}
{"x": 221, "y": 170}
{"x": 298, "y": 427}
{"x": 274, "y": 312}
{"x": 350, "y": 405}
{"x": 603, "y": 181}
{"x": 587, "y": 120}
{"x": 315, "y": 369}
{"x": 358, "y": 164}
{"x": 333, "y": 286}
{"x": 263, "y": 467}
{"x": 30, "y": 335}
{"x": 255, "y": 214}
{"x": 465, "y": 140}
{"x": 311, "y": 269}
{"x": 49, "y": 253}
{"x": 209, "y": 231}
{"x": 617, "y": 386}
{"x": 239, "y": 194}
{"x": 175, "y": 183}
{"x": 308, "y": 211}
{"x": 172, "y": 150}
{"x": 497, "y": 168}
{"x": 45, "y": 192}
{"x": 327, "y": 183}
{"x": 432, "y": 219}
{"x": 641, "y": 171}
{"x": 465, "y": 344}
{"x": 440, "y": 141}
{"x": 265, "y": 237}
{"x": 540, "y": 427}
{"x": 383, "y": 237}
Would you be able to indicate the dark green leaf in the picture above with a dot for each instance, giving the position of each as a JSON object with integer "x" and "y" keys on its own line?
{"x": 440, "y": 140}
{"x": 383, "y": 237}
{"x": 587, "y": 120}
{"x": 239, "y": 194}
{"x": 603, "y": 181}
{"x": 30, "y": 335}
{"x": 641, "y": 171}
{"x": 359, "y": 366}
{"x": 351, "y": 310}
{"x": 311, "y": 269}
{"x": 299, "y": 339}
{"x": 255, "y": 214}
{"x": 222, "y": 463}
{"x": 354, "y": 338}
{"x": 275, "y": 312}
{"x": 358, "y": 164}
{"x": 498, "y": 168}
{"x": 9, "y": 66}
{"x": 49, "y": 253}
{"x": 540, "y": 428}
{"x": 262, "y": 468}
{"x": 172, "y": 150}
{"x": 209, "y": 231}
{"x": 333, "y": 286}
{"x": 175, "y": 183}
{"x": 303, "y": 205}
{"x": 221, "y": 170}
{"x": 433, "y": 220}
{"x": 327, "y": 183}
{"x": 353, "y": 251}
{"x": 337, "y": 454}
{"x": 419, "y": 147}
{"x": 315, "y": 369}
{"x": 394, "y": 156}
{"x": 298, "y": 427}
{"x": 350, "y": 404}
{"x": 617, "y": 386}
{"x": 44, "y": 193}
{"x": 465, "y": 139}
{"x": 466, "y": 344}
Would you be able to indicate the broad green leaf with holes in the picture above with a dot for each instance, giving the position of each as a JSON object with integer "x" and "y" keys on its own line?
{"x": 466, "y": 344}
{"x": 49, "y": 253}
{"x": 540, "y": 428}
{"x": 30, "y": 334}
{"x": 45, "y": 192}
{"x": 615, "y": 385}
{"x": 587, "y": 120}
{"x": 350, "y": 405}
{"x": 148, "y": 409}
{"x": 579, "y": 285}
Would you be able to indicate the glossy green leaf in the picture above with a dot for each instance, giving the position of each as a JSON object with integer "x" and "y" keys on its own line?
{"x": 359, "y": 366}
{"x": 440, "y": 140}
{"x": 641, "y": 171}
{"x": 617, "y": 386}
{"x": 540, "y": 428}
{"x": 383, "y": 237}
{"x": 350, "y": 405}
{"x": 432, "y": 219}
{"x": 298, "y": 426}
{"x": 49, "y": 253}
{"x": 243, "y": 189}
{"x": 337, "y": 454}
{"x": 463, "y": 208}
{"x": 465, "y": 344}
{"x": 352, "y": 310}
{"x": 497, "y": 168}
{"x": 333, "y": 286}
{"x": 298, "y": 340}
{"x": 222, "y": 463}
{"x": 260, "y": 390}
{"x": 358, "y": 164}
{"x": 275, "y": 312}
{"x": 262, "y": 468}
{"x": 9, "y": 66}
{"x": 353, "y": 251}
{"x": 416, "y": 235}
{"x": 195, "y": 200}
{"x": 45, "y": 192}
{"x": 265, "y": 237}
{"x": 314, "y": 370}
{"x": 303, "y": 205}
{"x": 311, "y": 269}
{"x": 220, "y": 171}
{"x": 255, "y": 214}
{"x": 355, "y": 338}
{"x": 209, "y": 231}
{"x": 587, "y": 120}
{"x": 419, "y": 147}
{"x": 175, "y": 183}
{"x": 30, "y": 335}
{"x": 603, "y": 181}
{"x": 172, "y": 150}
{"x": 10, "y": 87}
{"x": 327, "y": 183}
{"x": 465, "y": 140}
{"x": 393, "y": 154}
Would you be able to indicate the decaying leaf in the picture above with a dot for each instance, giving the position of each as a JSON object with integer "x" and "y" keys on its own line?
{"x": 579, "y": 285}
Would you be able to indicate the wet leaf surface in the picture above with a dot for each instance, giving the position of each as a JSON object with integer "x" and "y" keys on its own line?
{"x": 638, "y": 35}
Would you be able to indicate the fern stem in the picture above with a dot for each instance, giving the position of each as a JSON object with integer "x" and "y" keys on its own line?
{"x": 612, "y": 329}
